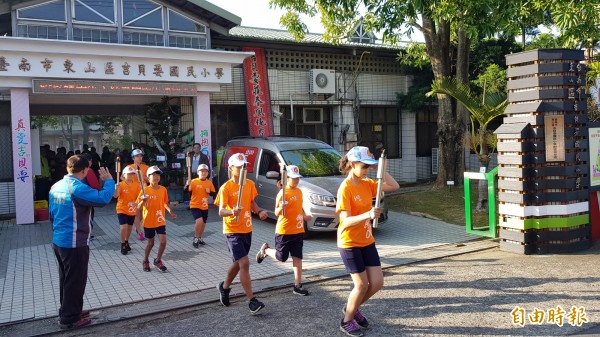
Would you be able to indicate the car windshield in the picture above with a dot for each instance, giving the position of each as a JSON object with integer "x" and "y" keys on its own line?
{"x": 314, "y": 162}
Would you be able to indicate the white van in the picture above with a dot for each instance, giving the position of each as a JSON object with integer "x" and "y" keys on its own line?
{"x": 319, "y": 166}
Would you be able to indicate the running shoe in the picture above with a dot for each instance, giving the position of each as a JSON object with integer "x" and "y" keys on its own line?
{"x": 359, "y": 318}
{"x": 201, "y": 242}
{"x": 128, "y": 247}
{"x": 124, "y": 249}
{"x": 160, "y": 265}
{"x": 350, "y": 328}
{"x": 255, "y": 305}
{"x": 260, "y": 256}
{"x": 81, "y": 322}
{"x": 146, "y": 265}
{"x": 223, "y": 294}
{"x": 298, "y": 290}
{"x": 195, "y": 243}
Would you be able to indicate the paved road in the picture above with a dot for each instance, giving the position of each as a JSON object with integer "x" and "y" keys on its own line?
{"x": 471, "y": 294}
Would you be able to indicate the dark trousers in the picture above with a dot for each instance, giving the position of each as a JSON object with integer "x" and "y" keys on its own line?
{"x": 72, "y": 272}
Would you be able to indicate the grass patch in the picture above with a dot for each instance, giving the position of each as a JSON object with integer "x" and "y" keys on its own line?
{"x": 446, "y": 204}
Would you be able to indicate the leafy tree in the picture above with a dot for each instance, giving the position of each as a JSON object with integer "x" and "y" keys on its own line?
{"x": 482, "y": 110}
{"x": 439, "y": 22}
{"x": 493, "y": 80}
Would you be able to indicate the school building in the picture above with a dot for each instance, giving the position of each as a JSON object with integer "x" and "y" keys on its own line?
{"x": 82, "y": 72}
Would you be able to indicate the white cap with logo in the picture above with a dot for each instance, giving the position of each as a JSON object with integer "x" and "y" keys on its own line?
{"x": 237, "y": 159}
{"x": 361, "y": 154}
{"x": 293, "y": 171}
{"x": 152, "y": 170}
{"x": 128, "y": 169}
{"x": 136, "y": 152}
{"x": 202, "y": 167}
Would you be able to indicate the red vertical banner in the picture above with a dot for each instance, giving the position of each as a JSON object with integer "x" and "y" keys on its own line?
{"x": 258, "y": 100}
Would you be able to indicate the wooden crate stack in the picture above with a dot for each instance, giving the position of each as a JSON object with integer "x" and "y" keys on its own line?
{"x": 543, "y": 154}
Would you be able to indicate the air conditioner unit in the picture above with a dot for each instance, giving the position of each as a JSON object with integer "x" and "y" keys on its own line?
{"x": 322, "y": 81}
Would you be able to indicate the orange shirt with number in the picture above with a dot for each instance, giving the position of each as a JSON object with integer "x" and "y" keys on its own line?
{"x": 128, "y": 193}
{"x": 199, "y": 195}
{"x": 228, "y": 196}
{"x": 356, "y": 199}
{"x": 293, "y": 220}
{"x": 153, "y": 211}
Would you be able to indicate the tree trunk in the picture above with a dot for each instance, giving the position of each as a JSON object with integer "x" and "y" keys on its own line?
{"x": 462, "y": 114}
{"x": 450, "y": 137}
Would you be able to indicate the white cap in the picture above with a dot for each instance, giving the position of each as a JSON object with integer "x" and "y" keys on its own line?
{"x": 237, "y": 159}
{"x": 136, "y": 152}
{"x": 202, "y": 167}
{"x": 293, "y": 171}
{"x": 153, "y": 169}
{"x": 128, "y": 169}
{"x": 361, "y": 154}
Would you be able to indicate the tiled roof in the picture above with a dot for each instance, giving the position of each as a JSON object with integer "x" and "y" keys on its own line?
{"x": 310, "y": 38}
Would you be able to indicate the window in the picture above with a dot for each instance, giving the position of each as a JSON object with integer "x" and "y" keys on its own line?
{"x": 178, "y": 22}
{"x": 426, "y": 125}
{"x": 142, "y": 14}
{"x": 97, "y": 11}
{"x": 268, "y": 162}
{"x": 49, "y": 11}
{"x": 313, "y": 115}
{"x": 95, "y": 35}
{"x": 296, "y": 125}
{"x": 380, "y": 129}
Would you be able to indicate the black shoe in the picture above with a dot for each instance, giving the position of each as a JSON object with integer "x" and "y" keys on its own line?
{"x": 81, "y": 322}
{"x": 298, "y": 290}
{"x": 255, "y": 305}
{"x": 124, "y": 249}
{"x": 146, "y": 265}
{"x": 350, "y": 328}
{"x": 127, "y": 245}
{"x": 223, "y": 294}
{"x": 360, "y": 320}
{"x": 195, "y": 243}
{"x": 201, "y": 242}
{"x": 260, "y": 256}
{"x": 160, "y": 265}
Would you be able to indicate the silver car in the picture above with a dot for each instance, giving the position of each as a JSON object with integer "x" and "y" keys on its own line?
{"x": 319, "y": 166}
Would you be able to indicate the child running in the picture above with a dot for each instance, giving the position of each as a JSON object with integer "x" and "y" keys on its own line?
{"x": 355, "y": 234}
{"x": 153, "y": 201}
{"x": 289, "y": 231}
{"x": 200, "y": 188}
{"x": 137, "y": 156}
{"x": 238, "y": 232}
{"x": 127, "y": 192}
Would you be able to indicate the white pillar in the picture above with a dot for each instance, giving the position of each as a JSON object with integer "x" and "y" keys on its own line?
{"x": 201, "y": 105}
{"x": 22, "y": 160}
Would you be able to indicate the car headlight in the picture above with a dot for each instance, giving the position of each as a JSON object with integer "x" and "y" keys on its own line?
{"x": 321, "y": 200}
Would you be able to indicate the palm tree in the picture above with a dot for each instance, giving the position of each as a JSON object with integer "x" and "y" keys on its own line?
{"x": 482, "y": 110}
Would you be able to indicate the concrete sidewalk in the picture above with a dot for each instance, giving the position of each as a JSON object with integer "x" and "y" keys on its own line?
{"x": 29, "y": 277}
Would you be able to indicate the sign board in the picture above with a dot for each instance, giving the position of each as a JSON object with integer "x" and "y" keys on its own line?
{"x": 554, "y": 131}
{"x": 594, "y": 156}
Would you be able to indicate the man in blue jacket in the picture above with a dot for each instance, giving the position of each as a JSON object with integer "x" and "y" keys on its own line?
{"x": 70, "y": 205}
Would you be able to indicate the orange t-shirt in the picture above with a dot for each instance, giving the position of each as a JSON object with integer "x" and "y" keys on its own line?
{"x": 356, "y": 199}
{"x": 228, "y": 196}
{"x": 128, "y": 194}
{"x": 153, "y": 211}
{"x": 199, "y": 195}
{"x": 143, "y": 169}
{"x": 293, "y": 220}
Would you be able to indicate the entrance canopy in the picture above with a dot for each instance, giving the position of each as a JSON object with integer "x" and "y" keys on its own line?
{"x": 80, "y": 65}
